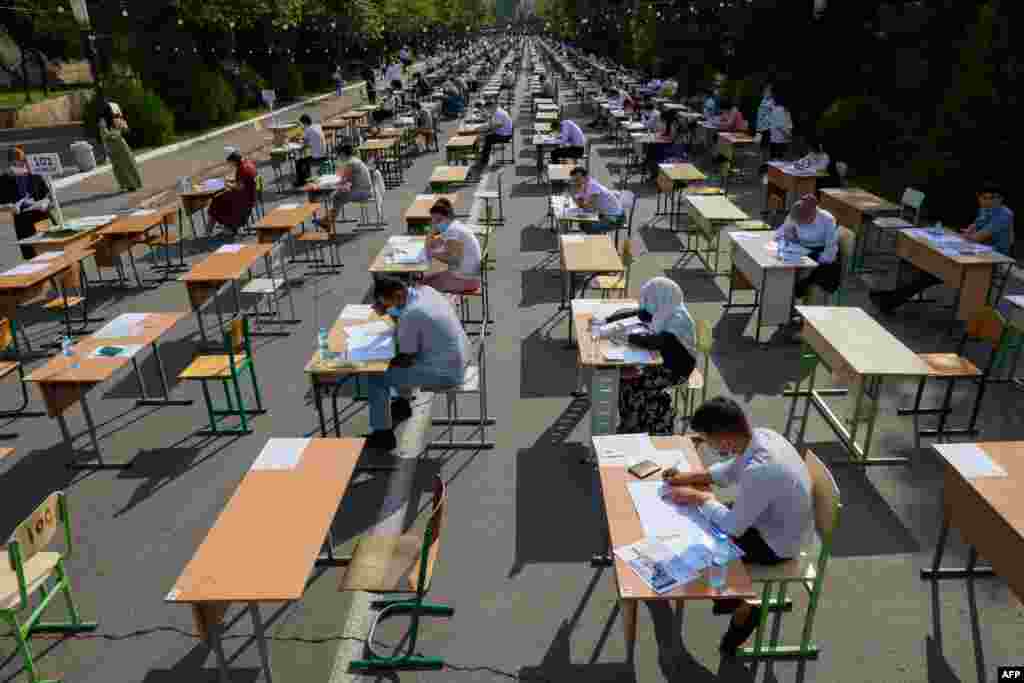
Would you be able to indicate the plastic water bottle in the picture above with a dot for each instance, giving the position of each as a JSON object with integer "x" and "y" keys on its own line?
{"x": 322, "y": 346}
{"x": 68, "y": 352}
{"x": 717, "y": 569}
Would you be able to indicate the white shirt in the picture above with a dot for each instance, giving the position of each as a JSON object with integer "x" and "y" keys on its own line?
{"x": 393, "y": 73}
{"x": 822, "y": 233}
{"x": 502, "y": 122}
{"x": 570, "y": 134}
{"x": 650, "y": 119}
{"x": 469, "y": 266}
{"x": 603, "y": 200}
{"x": 781, "y": 125}
{"x": 314, "y": 138}
{"x": 773, "y": 494}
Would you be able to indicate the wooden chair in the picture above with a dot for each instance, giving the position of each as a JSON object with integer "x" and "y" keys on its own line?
{"x": 72, "y": 292}
{"x": 166, "y": 239}
{"x": 227, "y": 368}
{"x": 325, "y": 238}
{"x": 474, "y": 383}
{"x": 8, "y": 367}
{"x": 697, "y": 382}
{"x": 483, "y": 293}
{"x": 807, "y": 570}
{"x": 987, "y": 325}
{"x": 619, "y": 282}
{"x": 400, "y": 564}
{"x": 847, "y": 257}
{"x": 30, "y": 568}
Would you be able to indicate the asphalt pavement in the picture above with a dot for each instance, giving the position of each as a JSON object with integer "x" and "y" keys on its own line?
{"x": 524, "y": 518}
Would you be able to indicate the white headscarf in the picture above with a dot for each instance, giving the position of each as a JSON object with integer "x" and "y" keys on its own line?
{"x": 664, "y": 299}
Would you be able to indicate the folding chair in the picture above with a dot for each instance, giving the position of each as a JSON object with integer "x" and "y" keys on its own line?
{"x": 7, "y": 367}
{"x": 807, "y": 570}
{"x": 72, "y": 293}
{"x": 697, "y": 382}
{"x": 482, "y": 293}
{"x": 30, "y": 569}
{"x": 226, "y": 368}
{"x": 400, "y": 564}
{"x": 319, "y": 239}
{"x": 488, "y": 196}
{"x": 475, "y": 382}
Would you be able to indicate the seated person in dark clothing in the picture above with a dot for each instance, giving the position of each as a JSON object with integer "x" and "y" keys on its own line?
{"x": 993, "y": 226}
{"x": 644, "y": 404}
{"x": 28, "y": 195}
{"x": 816, "y": 231}
{"x": 231, "y": 208}
{"x": 774, "y": 512}
{"x": 422, "y": 87}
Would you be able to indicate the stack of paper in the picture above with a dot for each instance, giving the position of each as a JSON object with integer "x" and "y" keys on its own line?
{"x": 124, "y": 325}
{"x": 374, "y": 341}
{"x": 629, "y": 449}
{"x": 280, "y": 454}
{"x": 25, "y": 269}
{"x": 627, "y": 326}
{"x": 969, "y": 460}
{"x": 356, "y": 312}
{"x": 230, "y": 249}
{"x": 288, "y": 206}
{"x": 213, "y": 184}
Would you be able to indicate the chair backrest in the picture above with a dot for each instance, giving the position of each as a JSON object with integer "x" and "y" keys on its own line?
{"x": 847, "y": 247}
{"x": 37, "y": 530}
{"x": 6, "y": 334}
{"x": 825, "y": 494}
{"x": 705, "y": 337}
{"x": 432, "y": 533}
{"x": 236, "y": 336}
{"x": 626, "y": 253}
{"x": 911, "y": 202}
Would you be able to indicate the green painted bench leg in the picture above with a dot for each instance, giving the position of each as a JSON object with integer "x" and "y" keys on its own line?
{"x": 406, "y": 662}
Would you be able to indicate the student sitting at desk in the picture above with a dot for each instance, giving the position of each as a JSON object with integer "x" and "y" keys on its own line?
{"x": 431, "y": 351}
{"x": 28, "y": 195}
{"x": 455, "y": 244}
{"x": 773, "y": 512}
{"x": 590, "y": 194}
{"x": 815, "y": 230}
{"x": 500, "y": 130}
{"x": 993, "y": 225}
{"x": 546, "y": 91}
{"x": 731, "y": 119}
{"x": 644, "y": 404}
{"x": 356, "y": 182}
{"x": 571, "y": 141}
{"x": 313, "y": 137}
{"x": 232, "y": 207}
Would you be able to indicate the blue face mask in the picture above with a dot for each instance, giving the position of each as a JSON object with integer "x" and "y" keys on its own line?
{"x": 395, "y": 311}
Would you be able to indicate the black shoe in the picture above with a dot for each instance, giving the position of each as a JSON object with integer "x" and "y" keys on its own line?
{"x": 721, "y": 607}
{"x": 737, "y": 635}
{"x": 401, "y": 410}
{"x": 382, "y": 440}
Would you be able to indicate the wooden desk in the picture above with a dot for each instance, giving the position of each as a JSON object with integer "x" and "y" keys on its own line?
{"x": 624, "y": 528}
{"x": 710, "y": 213}
{"x": 969, "y": 274}
{"x": 672, "y": 181}
{"x": 74, "y": 235}
{"x": 988, "y": 513}
{"x": 323, "y": 374}
{"x": 382, "y": 266}
{"x": 197, "y": 200}
{"x": 855, "y": 209}
{"x": 292, "y": 509}
{"x": 283, "y": 221}
{"x": 604, "y": 373}
{"x": 129, "y": 230}
{"x": 20, "y": 288}
{"x": 585, "y": 256}
{"x": 444, "y": 177}
{"x": 418, "y": 213}
{"x": 858, "y": 350}
{"x": 783, "y": 183}
{"x": 461, "y": 148}
{"x": 63, "y": 385}
{"x": 756, "y": 266}
{"x": 227, "y": 265}
{"x": 728, "y": 142}
{"x": 472, "y": 129}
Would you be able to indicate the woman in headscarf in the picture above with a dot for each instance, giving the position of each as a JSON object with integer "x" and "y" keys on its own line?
{"x": 645, "y": 406}
{"x": 113, "y": 127}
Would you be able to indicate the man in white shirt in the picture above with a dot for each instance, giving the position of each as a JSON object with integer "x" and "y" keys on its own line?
{"x": 500, "y": 131}
{"x": 455, "y": 244}
{"x": 773, "y": 514}
{"x": 590, "y": 194}
{"x": 431, "y": 350}
{"x": 815, "y": 230}
{"x": 313, "y": 137}
{"x": 571, "y": 142}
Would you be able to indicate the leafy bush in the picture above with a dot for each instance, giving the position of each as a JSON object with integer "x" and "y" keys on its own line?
{"x": 249, "y": 87}
{"x": 287, "y": 80}
{"x": 151, "y": 121}
{"x": 206, "y": 100}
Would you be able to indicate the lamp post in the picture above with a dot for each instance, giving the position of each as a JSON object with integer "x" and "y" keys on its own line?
{"x": 80, "y": 9}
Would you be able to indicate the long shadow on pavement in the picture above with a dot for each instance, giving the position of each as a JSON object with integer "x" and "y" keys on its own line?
{"x": 548, "y": 368}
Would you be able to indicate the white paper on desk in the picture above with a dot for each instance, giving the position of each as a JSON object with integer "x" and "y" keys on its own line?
{"x": 424, "y": 196}
{"x": 661, "y": 518}
{"x": 401, "y": 239}
{"x": 624, "y": 449}
{"x": 631, "y": 325}
{"x": 328, "y": 180}
{"x": 143, "y": 212}
{"x": 572, "y": 239}
{"x": 1016, "y": 300}
{"x": 289, "y": 206}
{"x": 377, "y": 327}
{"x": 366, "y": 349}
{"x": 969, "y": 460}
{"x": 356, "y": 312}
{"x": 26, "y": 269}
{"x": 48, "y": 256}
{"x": 280, "y": 454}
{"x": 651, "y": 562}
{"x": 214, "y": 184}
{"x": 597, "y": 308}
{"x": 230, "y": 249}
{"x": 744, "y": 235}
{"x": 125, "y": 325}
{"x": 122, "y": 351}
{"x": 408, "y": 256}
{"x": 614, "y": 352}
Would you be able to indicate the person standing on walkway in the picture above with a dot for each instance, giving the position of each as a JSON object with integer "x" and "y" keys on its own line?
{"x": 27, "y": 194}
{"x": 232, "y": 207}
{"x": 113, "y": 128}
{"x": 339, "y": 81}
{"x": 780, "y": 126}
{"x": 764, "y": 117}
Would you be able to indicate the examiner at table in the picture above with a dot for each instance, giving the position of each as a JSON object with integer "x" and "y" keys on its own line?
{"x": 815, "y": 230}
{"x": 645, "y": 406}
{"x": 431, "y": 351}
{"x": 28, "y": 195}
{"x": 773, "y": 513}
{"x": 590, "y": 194}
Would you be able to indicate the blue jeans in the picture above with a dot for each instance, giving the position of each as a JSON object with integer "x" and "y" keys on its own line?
{"x": 605, "y": 224}
{"x": 402, "y": 379}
